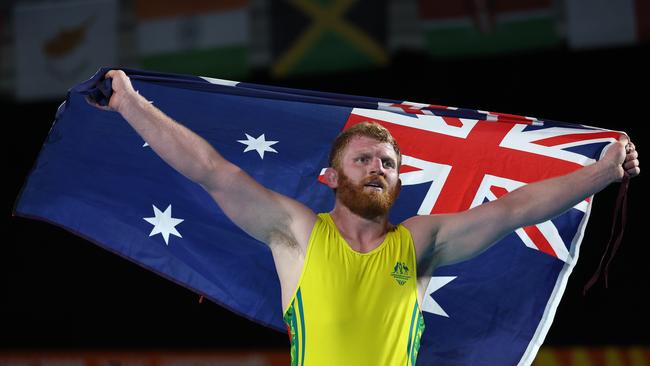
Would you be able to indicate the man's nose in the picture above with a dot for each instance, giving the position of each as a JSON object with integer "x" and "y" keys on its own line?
{"x": 377, "y": 167}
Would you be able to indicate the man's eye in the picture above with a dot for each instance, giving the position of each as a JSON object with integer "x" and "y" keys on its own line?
{"x": 388, "y": 164}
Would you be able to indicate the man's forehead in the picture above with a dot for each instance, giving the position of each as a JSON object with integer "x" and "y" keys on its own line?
{"x": 365, "y": 143}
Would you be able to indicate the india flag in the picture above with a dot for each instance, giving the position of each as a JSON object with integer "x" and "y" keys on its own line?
{"x": 199, "y": 37}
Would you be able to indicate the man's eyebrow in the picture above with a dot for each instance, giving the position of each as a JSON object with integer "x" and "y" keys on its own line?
{"x": 389, "y": 157}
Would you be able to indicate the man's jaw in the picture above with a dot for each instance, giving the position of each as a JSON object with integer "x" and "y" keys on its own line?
{"x": 368, "y": 199}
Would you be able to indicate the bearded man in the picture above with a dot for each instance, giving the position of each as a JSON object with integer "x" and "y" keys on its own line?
{"x": 351, "y": 282}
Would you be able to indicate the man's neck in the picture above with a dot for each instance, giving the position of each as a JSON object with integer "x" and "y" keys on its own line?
{"x": 363, "y": 235}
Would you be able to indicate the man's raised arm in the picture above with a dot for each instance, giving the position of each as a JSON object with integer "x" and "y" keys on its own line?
{"x": 450, "y": 238}
{"x": 267, "y": 216}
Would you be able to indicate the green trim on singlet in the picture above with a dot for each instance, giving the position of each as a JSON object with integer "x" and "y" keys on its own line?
{"x": 415, "y": 333}
{"x": 302, "y": 326}
{"x": 297, "y": 333}
{"x": 418, "y": 335}
{"x": 410, "y": 342}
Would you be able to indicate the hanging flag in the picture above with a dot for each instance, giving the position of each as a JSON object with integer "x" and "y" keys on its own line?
{"x": 326, "y": 36}
{"x": 97, "y": 178}
{"x": 199, "y": 37}
{"x": 58, "y": 44}
{"x": 460, "y": 28}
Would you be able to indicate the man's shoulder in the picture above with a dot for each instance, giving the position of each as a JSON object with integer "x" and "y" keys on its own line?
{"x": 419, "y": 223}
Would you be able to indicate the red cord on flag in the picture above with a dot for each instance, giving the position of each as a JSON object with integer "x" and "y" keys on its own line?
{"x": 621, "y": 207}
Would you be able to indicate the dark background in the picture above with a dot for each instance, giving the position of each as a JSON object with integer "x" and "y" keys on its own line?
{"x": 61, "y": 292}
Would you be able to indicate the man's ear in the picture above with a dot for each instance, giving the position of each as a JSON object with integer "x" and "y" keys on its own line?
{"x": 331, "y": 178}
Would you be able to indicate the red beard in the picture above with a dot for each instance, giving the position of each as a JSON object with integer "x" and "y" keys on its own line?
{"x": 363, "y": 202}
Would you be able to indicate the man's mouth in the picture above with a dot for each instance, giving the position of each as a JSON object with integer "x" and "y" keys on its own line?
{"x": 375, "y": 184}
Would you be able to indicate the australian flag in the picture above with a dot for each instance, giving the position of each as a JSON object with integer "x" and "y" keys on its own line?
{"x": 98, "y": 179}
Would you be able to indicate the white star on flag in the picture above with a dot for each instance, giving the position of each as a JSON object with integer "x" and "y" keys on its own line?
{"x": 258, "y": 144}
{"x": 430, "y": 305}
{"x": 163, "y": 223}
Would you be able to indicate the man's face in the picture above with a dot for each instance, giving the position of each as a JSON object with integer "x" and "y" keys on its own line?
{"x": 368, "y": 181}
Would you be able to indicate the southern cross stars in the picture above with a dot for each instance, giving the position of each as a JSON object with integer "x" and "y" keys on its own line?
{"x": 430, "y": 305}
{"x": 163, "y": 223}
{"x": 258, "y": 144}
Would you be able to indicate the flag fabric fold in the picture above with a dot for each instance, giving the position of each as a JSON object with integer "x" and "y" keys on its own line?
{"x": 98, "y": 179}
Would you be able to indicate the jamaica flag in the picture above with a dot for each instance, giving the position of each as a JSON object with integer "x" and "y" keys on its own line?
{"x": 324, "y": 36}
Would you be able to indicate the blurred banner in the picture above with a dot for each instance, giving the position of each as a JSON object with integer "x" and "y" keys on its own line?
{"x": 310, "y": 37}
{"x": 602, "y": 356}
{"x": 603, "y": 23}
{"x": 462, "y": 28}
{"x": 149, "y": 358}
{"x": 58, "y": 44}
{"x": 548, "y": 356}
{"x": 198, "y": 37}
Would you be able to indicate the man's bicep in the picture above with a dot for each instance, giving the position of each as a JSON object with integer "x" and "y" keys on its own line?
{"x": 261, "y": 212}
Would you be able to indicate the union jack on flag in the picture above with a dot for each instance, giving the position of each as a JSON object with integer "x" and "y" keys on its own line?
{"x": 533, "y": 151}
{"x": 96, "y": 178}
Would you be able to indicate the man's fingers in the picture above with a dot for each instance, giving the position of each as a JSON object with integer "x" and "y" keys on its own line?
{"x": 110, "y": 73}
{"x": 633, "y": 172}
{"x": 631, "y": 164}
{"x": 96, "y": 105}
{"x": 632, "y": 156}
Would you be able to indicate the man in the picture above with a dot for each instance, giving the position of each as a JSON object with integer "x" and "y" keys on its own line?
{"x": 348, "y": 289}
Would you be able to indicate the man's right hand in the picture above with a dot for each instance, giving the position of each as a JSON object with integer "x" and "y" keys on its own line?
{"x": 122, "y": 90}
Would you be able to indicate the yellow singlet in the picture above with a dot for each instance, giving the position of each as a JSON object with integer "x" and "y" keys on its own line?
{"x": 354, "y": 308}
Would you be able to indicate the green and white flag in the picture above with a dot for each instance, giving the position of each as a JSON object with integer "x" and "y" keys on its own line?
{"x": 197, "y": 37}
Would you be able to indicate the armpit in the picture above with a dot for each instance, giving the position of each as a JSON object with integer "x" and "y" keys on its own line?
{"x": 279, "y": 237}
